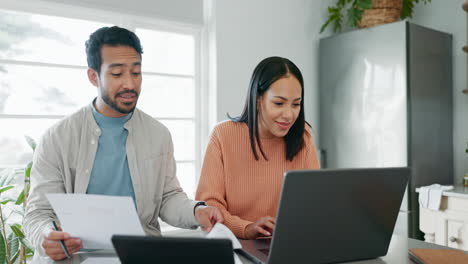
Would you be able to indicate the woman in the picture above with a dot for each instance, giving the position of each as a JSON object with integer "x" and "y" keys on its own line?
{"x": 247, "y": 156}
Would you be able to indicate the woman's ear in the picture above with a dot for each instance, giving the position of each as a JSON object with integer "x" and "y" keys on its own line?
{"x": 259, "y": 103}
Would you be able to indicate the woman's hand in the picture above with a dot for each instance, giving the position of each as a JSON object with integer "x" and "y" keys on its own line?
{"x": 263, "y": 227}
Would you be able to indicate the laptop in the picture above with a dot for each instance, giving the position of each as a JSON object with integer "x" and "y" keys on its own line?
{"x": 329, "y": 216}
{"x": 173, "y": 250}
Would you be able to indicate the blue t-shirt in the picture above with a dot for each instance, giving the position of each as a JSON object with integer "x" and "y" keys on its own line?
{"x": 110, "y": 174}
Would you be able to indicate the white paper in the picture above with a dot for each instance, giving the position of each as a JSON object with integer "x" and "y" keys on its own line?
{"x": 103, "y": 260}
{"x": 221, "y": 231}
{"x": 95, "y": 218}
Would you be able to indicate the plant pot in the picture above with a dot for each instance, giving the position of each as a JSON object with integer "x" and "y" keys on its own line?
{"x": 374, "y": 17}
{"x": 382, "y": 12}
{"x": 397, "y": 4}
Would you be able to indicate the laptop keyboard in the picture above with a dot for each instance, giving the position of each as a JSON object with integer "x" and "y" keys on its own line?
{"x": 265, "y": 251}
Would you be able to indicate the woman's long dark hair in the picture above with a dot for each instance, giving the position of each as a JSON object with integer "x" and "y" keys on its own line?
{"x": 267, "y": 72}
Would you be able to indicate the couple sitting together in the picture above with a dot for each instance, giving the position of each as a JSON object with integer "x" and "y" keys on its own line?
{"x": 110, "y": 147}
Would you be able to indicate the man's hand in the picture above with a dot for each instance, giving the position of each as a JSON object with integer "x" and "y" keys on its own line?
{"x": 207, "y": 217}
{"x": 261, "y": 228}
{"x": 52, "y": 247}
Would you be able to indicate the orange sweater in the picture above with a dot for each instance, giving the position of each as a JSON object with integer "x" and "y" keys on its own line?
{"x": 243, "y": 188}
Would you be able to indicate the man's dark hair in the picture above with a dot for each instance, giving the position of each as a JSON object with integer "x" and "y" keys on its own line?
{"x": 267, "y": 72}
{"x": 112, "y": 36}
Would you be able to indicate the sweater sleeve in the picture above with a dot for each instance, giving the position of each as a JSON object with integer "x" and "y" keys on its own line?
{"x": 212, "y": 189}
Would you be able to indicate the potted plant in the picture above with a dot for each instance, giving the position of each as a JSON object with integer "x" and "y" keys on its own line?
{"x": 14, "y": 247}
{"x": 367, "y": 13}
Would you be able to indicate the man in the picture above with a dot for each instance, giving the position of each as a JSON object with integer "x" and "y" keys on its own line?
{"x": 110, "y": 147}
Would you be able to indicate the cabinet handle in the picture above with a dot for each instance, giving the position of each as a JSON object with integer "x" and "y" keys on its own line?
{"x": 452, "y": 239}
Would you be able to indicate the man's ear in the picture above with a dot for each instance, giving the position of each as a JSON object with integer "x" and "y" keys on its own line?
{"x": 93, "y": 77}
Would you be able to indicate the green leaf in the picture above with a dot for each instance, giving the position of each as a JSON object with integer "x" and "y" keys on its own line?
{"x": 354, "y": 16}
{"x": 2, "y": 249}
{"x": 31, "y": 142}
{"x": 27, "y": 170}
{"x": 27, "y": 245}
{"x": 6, "y": 200}
{"x": 13, "y": 244}
{"x": 6, "y": 177}
{"x": 407, "y": 9}
{"x": 29, "y": 252}
{"x": 364, "y": 4}
{"x": 6, "y": 188}
{"x": 16, "y": 228}
{"x": 335, "y": 16}
{"x": 337, "y": 25}
{"x": 342, "y": 3}
{"x": 15, "y": 256}
{"x": 20, "y": 198}
{"x": 325, "y": 25}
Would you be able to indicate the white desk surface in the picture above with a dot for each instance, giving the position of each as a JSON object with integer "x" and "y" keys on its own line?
{"x": 397, "y": 253}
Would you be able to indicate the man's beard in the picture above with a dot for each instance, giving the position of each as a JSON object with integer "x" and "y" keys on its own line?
{"x": 113, "y": 104}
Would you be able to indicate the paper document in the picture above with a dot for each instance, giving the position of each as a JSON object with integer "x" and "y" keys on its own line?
{"x": 103, "y": 260}
{"x": 222, "y": 232}
{"x": 95, "y": 218}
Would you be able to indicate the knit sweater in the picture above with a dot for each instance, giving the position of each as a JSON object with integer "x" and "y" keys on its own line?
{"x": 245, "y": 189}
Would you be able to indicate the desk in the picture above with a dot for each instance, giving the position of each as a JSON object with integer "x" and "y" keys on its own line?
{"x": 397, "y": 253}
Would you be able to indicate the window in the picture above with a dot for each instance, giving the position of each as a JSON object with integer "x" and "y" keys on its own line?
{"x": 169, "y": 93}
{"x": 43, "y": 78}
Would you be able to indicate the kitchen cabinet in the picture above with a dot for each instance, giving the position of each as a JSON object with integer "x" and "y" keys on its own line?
{"x": 449, "y": 225}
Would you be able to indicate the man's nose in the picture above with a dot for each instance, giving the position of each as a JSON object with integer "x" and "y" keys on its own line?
{"x": 129, "y": 82}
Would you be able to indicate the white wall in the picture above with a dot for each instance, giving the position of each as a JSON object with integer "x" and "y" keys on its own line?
{"x": 185, "y": 11}
{"x": 448, "y": 16}
{"x": 248, "y": 31}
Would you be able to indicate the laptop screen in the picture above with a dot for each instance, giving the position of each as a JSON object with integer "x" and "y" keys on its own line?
{"x": 174, "y": 250}
{"x": 337, "y": 215}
